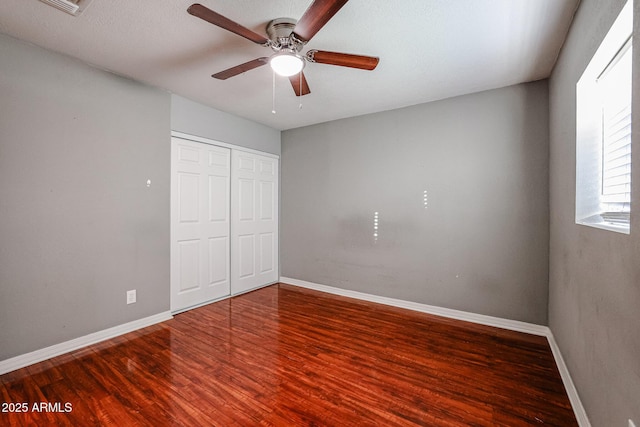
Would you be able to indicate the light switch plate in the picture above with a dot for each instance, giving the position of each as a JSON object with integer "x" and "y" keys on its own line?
{"x": 131, "y": 296}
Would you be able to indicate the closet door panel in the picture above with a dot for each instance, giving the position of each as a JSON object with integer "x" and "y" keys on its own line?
{"x": 254, "y": 221}
{"x": 246, "y": 256}
{"x": 267, "y": 253}
{"x": 200, "y": 223}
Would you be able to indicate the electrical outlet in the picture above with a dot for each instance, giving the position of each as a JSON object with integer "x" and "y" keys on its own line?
{"x": 131, "y": 296}
{"x": 631, "y": 423}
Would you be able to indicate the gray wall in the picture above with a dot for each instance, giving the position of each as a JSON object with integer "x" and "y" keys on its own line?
{"x": 481, "y": 245}
{"x": 196, "y": 119}
{"x": 78, "y": 225}
{"x": 594, "y": 274}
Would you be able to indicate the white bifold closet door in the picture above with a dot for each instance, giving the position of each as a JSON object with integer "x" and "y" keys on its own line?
{"x": 200, "y": 223}
{"x": 254, "y": 224}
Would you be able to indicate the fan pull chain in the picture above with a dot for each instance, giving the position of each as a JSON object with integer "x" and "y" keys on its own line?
{"x": 273, "y": 98}
{"x": 300, "y": 80}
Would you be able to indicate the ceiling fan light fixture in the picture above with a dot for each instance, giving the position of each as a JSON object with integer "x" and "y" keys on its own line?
{"x": 286, "y": 63}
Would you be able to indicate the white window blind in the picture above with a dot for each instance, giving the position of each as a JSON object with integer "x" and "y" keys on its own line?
{"x": 615, "y": 89}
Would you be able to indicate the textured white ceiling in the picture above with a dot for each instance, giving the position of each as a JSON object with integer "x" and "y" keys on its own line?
{"x": 428, "y": 49}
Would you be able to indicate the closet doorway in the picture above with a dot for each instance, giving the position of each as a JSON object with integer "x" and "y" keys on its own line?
{"x": 224, "y": 221}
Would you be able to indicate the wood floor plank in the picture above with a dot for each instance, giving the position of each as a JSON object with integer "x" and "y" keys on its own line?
{"x": 287, "y": 356}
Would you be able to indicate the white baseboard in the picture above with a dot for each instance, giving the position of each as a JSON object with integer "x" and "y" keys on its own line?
{"x": 572, "y": 392}
{"x": 498, "y": 322}
{"x": 512, "y": 325}
{"x": 36, "y": 356}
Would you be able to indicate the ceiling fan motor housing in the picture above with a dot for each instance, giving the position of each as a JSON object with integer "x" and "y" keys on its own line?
{"x": 279, "y": 31}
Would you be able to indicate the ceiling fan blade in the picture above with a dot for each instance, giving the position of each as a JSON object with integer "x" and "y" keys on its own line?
{"x": 295, "y": 83}
{"x": 314, "y": 18}
{"x": 239, "y": 69}
{"x": 215, "y": 18}
{"x": 343, "y": 59}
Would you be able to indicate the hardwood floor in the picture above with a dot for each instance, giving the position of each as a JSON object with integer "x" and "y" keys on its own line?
{"x": 287, "y": 356}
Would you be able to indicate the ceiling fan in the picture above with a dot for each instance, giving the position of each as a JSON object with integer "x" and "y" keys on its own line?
{"x": 287, "y": 39}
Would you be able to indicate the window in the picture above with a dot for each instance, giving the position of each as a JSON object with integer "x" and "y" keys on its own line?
{"x": 603, "y": 131}
{"x": 615, "y": 89}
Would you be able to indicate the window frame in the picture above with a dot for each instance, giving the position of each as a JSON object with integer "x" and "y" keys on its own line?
{"x": 593, "y": 207}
